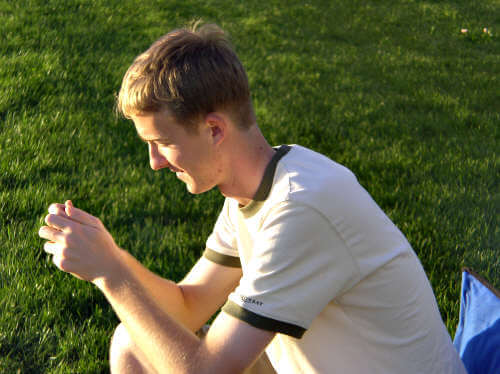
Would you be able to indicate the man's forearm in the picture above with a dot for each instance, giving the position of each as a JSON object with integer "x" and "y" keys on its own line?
{"x": 168, "y": 346}
{"x": 167, "y": 294}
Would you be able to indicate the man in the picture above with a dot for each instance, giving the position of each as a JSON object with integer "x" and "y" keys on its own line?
{"x": 305, "y": 264}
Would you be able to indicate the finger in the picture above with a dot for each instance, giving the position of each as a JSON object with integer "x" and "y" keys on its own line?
{"x": 66, "y": 265}
{"x": 81, "y": 216}
{"x": 60, "y": 262}
{"x": 52, "y": 248}
{"x": 57, "y": 209}
{"x": 50, "y": 233}
{"x": 62, "y": 209}
{"x": 77, "y": 276}
{"x": 68, "y": 206}
{"x": 59, "y": 222}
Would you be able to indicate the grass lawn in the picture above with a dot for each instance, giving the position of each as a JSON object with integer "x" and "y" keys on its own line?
{"x": 393, "y": 90}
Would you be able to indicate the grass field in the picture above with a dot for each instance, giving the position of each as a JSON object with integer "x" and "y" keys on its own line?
{"x": 393, "y": 90}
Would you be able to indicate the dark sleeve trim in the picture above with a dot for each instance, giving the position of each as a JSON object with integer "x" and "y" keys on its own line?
{"x": 261, "y": 322}
{"x": 221, "y": 259}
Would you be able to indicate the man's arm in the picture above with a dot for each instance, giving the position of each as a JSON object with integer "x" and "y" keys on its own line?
{"x": 82, "y": 246}
{"x": 196, "y": 298}
{"x": 230, "y": 346}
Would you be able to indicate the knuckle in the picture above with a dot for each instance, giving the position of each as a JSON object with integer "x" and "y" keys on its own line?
{"x": 69, "y": 239}
{"x": 64, "y": 241}
{"x": 51, "y": 219}
{"x": 64, "y": 254}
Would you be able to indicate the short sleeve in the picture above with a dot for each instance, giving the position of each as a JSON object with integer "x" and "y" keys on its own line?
{"x": 221, "y": 245}
{"x": 299, "y": 264}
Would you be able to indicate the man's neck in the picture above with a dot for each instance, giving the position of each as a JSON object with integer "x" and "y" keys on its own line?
{"x": 248, "y": 155}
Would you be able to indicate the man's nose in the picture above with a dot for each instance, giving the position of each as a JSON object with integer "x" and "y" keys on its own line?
{"x": 156, "y": 160}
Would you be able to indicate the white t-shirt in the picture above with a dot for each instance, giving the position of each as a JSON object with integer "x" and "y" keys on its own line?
{"x": 326, "y": 269}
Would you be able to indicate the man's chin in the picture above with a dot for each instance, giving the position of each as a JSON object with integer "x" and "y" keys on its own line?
{"x": 196, "y": 190}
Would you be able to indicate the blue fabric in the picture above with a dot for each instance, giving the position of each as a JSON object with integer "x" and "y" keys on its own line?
{"x": 477, "y": 338}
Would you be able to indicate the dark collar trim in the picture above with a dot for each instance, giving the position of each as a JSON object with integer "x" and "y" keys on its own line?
{"x": 267, "y": 180}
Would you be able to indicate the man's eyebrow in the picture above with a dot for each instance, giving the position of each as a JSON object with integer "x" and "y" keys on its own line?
{"x": 152, "y": 140}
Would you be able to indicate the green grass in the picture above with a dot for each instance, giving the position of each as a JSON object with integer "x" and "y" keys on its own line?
{"x": 393, "y": 90}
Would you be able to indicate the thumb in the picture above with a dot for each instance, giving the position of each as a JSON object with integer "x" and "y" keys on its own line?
{"x": 80, "y": 215}
{"x": 68, "y": 207}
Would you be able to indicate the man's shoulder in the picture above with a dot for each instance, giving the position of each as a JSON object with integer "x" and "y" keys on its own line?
{"x": 304, "y": 175}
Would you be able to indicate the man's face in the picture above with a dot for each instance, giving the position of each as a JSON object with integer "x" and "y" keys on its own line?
{"x": 191, "y": 157}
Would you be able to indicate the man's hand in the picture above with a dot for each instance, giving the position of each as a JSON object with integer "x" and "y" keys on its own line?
{"x": 79, "y": 243}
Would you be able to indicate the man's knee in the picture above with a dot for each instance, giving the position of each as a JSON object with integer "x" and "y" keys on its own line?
{"x": 121, "y": 342}
{"x": 124, "y": 356}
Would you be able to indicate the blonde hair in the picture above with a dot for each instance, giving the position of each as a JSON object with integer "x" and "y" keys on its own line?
{"x": 190, "y": 72}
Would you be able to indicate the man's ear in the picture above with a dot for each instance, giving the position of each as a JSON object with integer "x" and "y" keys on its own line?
{"x": 218, "y": 126}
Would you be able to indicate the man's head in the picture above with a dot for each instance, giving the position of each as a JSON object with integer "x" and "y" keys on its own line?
{"x": 189, "y": 73}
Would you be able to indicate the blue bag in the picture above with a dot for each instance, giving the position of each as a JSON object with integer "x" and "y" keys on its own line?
{"x": 477, "y": 338}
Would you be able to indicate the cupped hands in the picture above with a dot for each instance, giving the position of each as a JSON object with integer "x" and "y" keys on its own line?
{"x": 80, "y": 244}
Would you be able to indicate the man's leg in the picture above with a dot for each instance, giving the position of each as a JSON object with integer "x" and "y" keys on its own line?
{"x": 124, "y": 356}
